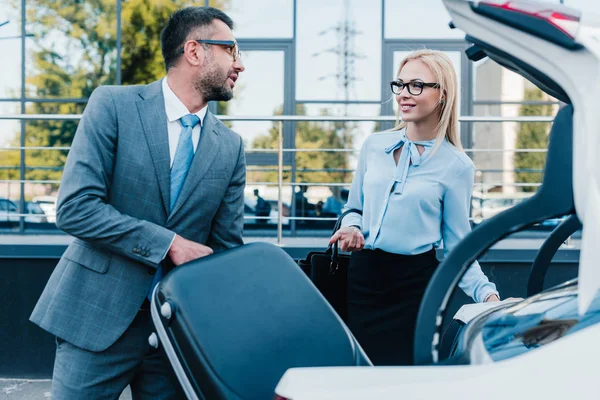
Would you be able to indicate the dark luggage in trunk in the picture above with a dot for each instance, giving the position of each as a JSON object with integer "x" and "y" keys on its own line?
{"x": 231, "y": 324}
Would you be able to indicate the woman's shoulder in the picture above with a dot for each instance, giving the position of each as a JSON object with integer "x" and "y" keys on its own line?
{"x": 384, "y": 135}
{"x": 383, "y": 138}
{"x": 458, "y": 159}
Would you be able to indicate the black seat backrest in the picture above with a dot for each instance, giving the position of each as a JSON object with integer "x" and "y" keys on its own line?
{"x": 246, "y": 315}
{"x": 553, "y": 199}
{"x": 541, "y": 263}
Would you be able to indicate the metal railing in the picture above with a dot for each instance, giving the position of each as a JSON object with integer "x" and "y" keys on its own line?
{"x": 280, "y": 120}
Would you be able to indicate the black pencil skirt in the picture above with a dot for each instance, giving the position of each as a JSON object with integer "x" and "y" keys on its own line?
{"x": 384, "y": 294}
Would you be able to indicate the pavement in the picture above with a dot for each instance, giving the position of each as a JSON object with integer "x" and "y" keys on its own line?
{"x": 34, "y": 389}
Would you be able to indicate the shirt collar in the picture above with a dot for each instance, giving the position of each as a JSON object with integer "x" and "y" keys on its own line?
{"x": 403, "y": 139}
{"x": 175, "y": 108}
{"x": 412, "y": 151}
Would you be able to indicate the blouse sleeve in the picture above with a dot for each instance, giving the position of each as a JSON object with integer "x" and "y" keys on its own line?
{"x": 355, "y": 197}
{"x": 455, "y": 225}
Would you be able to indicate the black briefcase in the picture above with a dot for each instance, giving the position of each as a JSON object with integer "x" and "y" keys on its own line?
{"x": 232, "y": 323}
{"x": 328, "y": 270}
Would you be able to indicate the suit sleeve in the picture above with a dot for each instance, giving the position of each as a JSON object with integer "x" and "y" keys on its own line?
{"x": 83, "y": 210}
{"x": 228, "y": 224}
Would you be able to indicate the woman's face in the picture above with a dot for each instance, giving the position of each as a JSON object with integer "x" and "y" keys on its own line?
{"x": 417, "y": 108}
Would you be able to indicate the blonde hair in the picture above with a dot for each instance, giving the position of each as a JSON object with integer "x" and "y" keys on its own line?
{"x": 443, "y": 70}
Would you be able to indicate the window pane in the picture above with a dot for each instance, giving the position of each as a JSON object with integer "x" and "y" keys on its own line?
{"x": 40, "y": 207}
{"x": 259, "y": 92}
{"x": 262, "y": 214}
{"x": 73, "y": 49}
{"x": 494, "y": 82}
{"x": 10, "y": 191}
{"x": 321, "y": 166}
{"x": 356, "y": 131}
{"x": 510, "y": 156}
{"x": 10, "y": 160}
{"x": 322, "y": 71}
{"x": 47, "y": 164}
{"x": 9, "y": 129}
{"x": 325, "y": 174}
{"x": 423, "y": 19}
{"x": 261, "y": 18}
{"x": 10, "y": 43}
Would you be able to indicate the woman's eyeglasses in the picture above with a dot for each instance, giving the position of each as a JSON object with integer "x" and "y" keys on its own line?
{"x": 414, "y": 87}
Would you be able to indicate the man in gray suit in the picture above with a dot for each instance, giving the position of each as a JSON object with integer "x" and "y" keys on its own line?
{"x": 153, "y": 180}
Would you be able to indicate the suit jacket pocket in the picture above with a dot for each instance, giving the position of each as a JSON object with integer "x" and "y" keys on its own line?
{"x": 87, "y": 256}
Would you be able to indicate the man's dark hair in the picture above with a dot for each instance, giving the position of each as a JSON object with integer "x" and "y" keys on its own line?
{"x": 181, "y": 23}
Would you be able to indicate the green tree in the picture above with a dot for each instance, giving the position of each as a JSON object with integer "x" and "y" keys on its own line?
{"x": 75, "y": 52}
{"x": 309, "y": 135}
{"x": 532, "y": 135}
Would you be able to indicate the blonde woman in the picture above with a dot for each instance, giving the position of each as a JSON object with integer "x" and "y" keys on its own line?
{"x": 413, "y": 185}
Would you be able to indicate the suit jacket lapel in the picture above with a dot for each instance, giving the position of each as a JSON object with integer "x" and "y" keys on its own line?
{"x": 208, "y": 148}
{"x": 151, "y": 108}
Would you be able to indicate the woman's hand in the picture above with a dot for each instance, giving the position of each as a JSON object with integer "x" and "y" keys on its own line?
{"x": 493, "y": 297}
{"x": 350, "y": 238}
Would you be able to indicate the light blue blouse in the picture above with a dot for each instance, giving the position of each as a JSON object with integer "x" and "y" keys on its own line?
{"x": 412, "y": 207}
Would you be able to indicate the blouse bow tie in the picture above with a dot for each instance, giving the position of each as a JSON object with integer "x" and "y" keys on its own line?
{"x": 409, "y": 156}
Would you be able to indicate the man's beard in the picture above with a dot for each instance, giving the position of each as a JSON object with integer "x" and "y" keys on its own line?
{"x": 213, "y": 86}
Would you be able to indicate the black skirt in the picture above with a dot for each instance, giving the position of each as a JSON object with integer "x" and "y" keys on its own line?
{"x": 384, "y": 294}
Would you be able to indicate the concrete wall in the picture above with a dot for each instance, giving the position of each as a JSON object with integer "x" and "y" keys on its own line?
{"x": 26, "y": 351}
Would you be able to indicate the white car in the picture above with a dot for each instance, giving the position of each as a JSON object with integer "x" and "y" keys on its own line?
{"x": 9, "y": 212}
{"x": 555, "y": 355}
{"x": 513, "y": 329}
{"x": 250, "y": 213}
{"x": 48, "y": 204}
{"x": 486, "y": 205}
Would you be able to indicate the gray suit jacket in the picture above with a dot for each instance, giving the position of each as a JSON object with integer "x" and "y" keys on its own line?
{"x": 114, "y": 199}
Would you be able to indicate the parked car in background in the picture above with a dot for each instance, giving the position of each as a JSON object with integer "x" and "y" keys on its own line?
{"x": 37, "y": 213}
{"x": 9, "y": 212}
{"x": 48, "y": 204}
{"x": 486, "y": 205}
{"x": 250, "y": 213}
{"x": 274, "y": 208}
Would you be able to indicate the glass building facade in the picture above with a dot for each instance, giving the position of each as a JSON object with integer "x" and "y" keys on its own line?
{"x": 315, "y": 58}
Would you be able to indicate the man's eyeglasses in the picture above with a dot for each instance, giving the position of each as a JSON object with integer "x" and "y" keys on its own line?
{"x": 230, "y": 45}
{"x": 414, "y": 87}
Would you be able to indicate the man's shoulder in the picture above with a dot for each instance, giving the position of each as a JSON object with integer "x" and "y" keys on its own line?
{"x": 119, "y": 98}
{"x": 120, "y": 90}
{"x": 224, "y": 130}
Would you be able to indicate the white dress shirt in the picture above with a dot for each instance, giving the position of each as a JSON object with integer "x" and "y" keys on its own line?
{"x": 175, "y": 110}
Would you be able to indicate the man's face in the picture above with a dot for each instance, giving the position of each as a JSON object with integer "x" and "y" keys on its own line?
{"x": 216, "y": 79}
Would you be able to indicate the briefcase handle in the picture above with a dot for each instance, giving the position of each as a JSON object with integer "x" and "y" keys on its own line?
{"x": 333, "y": 248}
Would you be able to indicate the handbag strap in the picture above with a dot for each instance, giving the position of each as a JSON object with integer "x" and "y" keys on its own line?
{"x": 333, "y": 248}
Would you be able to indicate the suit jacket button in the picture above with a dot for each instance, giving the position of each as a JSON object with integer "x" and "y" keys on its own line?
{"x": 136, "y": 250}
{"x": 151, "y": 270}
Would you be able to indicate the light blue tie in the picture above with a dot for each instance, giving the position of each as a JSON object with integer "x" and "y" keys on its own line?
{"x": 181, "y": 165}
{"x": 409, "y": 156}
{"x": 183, "y": 156}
